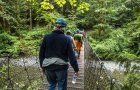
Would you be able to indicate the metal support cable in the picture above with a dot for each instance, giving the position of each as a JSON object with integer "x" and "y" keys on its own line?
{"x": 37, "y": 62}
{"x": 103, "y": 79}
{"x": 18, "y": 72}
{"x": 25, "y": 68}
{"x": 10, "y": 85}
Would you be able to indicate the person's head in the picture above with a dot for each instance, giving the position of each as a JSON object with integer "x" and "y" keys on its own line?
{"x": 68, "y": 32}
{"x": 60, "y": 24}
{"x": 77, "y": 31}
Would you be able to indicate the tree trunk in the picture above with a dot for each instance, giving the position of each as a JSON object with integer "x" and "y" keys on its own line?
{"x": 30, "y": 16}
{"x": 18, "y": 9}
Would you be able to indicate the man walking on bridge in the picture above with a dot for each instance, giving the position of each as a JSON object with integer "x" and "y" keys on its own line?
{"x": 78, "y": 38}
{"x": 55, "y": 52}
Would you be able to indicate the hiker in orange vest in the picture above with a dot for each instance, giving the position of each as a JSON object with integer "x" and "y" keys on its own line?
{"x": 78, "y": 41}
{"x": 69, "y": 34}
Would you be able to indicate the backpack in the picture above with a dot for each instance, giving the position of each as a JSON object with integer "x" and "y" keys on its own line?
{"x": 78, "y": 37}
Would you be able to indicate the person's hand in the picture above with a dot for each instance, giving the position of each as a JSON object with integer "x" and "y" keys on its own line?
{"x": 76, "y": 74}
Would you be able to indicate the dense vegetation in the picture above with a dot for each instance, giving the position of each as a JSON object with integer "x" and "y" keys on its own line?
{"x": 113, "y": 28}
{"x": 117, "y": 36}
{"x": 24, "y": 22}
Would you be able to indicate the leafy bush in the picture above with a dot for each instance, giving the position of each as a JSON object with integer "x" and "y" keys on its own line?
{"x": 8, "y": 44}
{"x": 31, "y": 40}
{"x": 35, "y": 34}
{"x": 126, "y": 55}
{"x": 116, "y": 43}
{"x": 132, "y": 82}
{"x": 28, "y": 42}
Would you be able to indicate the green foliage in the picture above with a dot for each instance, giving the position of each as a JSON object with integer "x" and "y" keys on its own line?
{"x": 132, "y": 82}
{"x": 101, "y": 26}
{"x": 50, "y": 17}
{"x": 73, "y": 2}
{"x": 8, "y": 21}
{"x": 111, "y": 44}
{"x": 83, "y": 7}
{"x": 46, "y": 5}
{"x": 115, "y": 45}
{"x": 126, "y": 55}
{"x": 31, "y": 40}
{"x": 60, "y": 3}
{"x": 28, "y": 42}
{"x": 3, "y": 74}
{"x": 71, "y": 24}
{"x": 8, "y": 44}
{"x": 18, "y": 75}
{"x": 120, "y": 39}
{"x": 34, "y": 84}
{"x": 33, "y": 2}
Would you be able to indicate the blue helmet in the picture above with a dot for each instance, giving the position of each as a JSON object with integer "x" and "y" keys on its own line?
{"x": 60, "y": 22}
{"x": 78, "y": 31}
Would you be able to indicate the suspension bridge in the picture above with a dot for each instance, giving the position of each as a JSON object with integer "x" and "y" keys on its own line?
{"x": 25, "y": 73}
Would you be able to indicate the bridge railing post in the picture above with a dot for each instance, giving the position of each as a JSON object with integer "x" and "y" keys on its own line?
{"x": 112, "y": 82}
{"x": 10, "y": 84}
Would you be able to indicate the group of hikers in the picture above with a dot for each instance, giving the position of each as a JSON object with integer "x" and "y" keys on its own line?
{"x": 56, "y": 51}
{"x": 77, "y": 40}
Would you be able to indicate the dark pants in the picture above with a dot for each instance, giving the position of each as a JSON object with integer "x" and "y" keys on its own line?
{"x": 54, "y": 76}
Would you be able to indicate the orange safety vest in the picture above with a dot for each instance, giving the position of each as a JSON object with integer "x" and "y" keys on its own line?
{"x": 78, "y": 45}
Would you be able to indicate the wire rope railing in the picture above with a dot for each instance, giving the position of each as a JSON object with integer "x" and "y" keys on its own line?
{"x": 97, "y": 77}
{"x": 20, "y": 74}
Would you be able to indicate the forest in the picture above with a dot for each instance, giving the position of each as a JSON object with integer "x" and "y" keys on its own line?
{"x": 112, "y": 26}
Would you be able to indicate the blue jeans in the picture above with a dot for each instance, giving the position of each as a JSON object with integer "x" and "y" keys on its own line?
{"x": 57, "y": 76}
